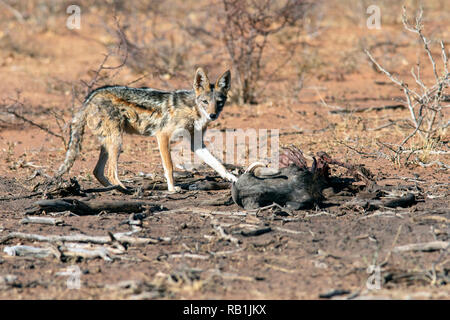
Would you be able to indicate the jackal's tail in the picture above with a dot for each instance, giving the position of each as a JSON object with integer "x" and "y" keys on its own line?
{"x": 76, "y": 137}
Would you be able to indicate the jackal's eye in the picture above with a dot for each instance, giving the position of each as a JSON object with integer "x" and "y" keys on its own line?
{"x": 205, "y": 101}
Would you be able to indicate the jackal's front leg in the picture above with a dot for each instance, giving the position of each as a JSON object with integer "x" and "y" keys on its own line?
{"x": 210, "y": 160}
{"x": 164, "y": 149}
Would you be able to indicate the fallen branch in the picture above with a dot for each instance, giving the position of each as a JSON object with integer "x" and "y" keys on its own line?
{"x": 435, "y": 162}
{"x": 75, "y": 250}
{"x": 426, "y": 247}
{"x": 189, "y": 255}
{"x": 27, "y": 196}
{"x": 81, "y": 207}
{"x": 29, "y": 251}
{"x": 406, "y": 201}
{"x": 373, "y": 204}
{"x": 42, "y": 220}
{"x": 81, "y": 238}
{"x": 225, "y": 236}
{"x": 256, "y": 232}
{"x": 368, "y": 109}
{"x": 288, "y": 230}
{"x": 332, "y": 293}
{"x": 88, "y": 251}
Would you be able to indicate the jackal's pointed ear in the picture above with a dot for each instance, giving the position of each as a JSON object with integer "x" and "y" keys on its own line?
{"x": 224, "y": 82}
{"x": 201, "y": 81}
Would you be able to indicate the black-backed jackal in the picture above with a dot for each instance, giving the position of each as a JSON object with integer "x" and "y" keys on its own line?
{"x": 112, "y": 110}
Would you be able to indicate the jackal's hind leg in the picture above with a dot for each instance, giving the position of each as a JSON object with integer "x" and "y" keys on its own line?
{"x": 113, "y": 146}
{"x": 99, "y": 170}
{"x": 106, "y": 169}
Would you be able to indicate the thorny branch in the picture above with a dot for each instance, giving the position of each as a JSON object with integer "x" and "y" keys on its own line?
{"x": 425, "y": 109}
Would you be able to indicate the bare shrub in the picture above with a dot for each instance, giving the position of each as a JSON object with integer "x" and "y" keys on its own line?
{"x": 154, "y": 47}
{"x": 101, "y": 75}
{"x": 247, "y": 26}
{"x": 246, "y": 29}
{"x": 424, "y": 101}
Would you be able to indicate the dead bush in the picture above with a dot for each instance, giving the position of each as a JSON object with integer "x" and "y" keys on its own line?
{"x": 425, "y": 101}
{"x": 154, "y": 46}
{"x": 246, "y": 30}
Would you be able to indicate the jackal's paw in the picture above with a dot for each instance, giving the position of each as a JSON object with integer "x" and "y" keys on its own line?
{"x": 174, "y": 189}
{"x": 230, "y": 177}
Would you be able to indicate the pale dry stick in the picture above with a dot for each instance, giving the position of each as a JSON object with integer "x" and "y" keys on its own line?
{"x": 222, "y": 234}
{"x": 444, "y": 57}
{"x": 30, "y": 251}
{"x": 79, "y": 238}
{"x": 206, "y": 212}
{"x": 231, "y": 214}
{"x": 426, "y": 247}
{"x": 89, "y": 251}
{"x": 224, "y": 253}
{"x": 117, "y": 243}
{"x": 417, "y": 78}
{"x": 189, "y": 255}
{"x": 437, "y": 152}
{"x": 321, "y": 213}
{"x": 439, "y": 163}
{"x": 430, "y": 217}
{"x": 287, "y": 230}
{"x": 41, "y": 220}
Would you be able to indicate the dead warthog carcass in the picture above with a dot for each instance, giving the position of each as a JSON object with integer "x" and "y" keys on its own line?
{"x": 294, "y": 184}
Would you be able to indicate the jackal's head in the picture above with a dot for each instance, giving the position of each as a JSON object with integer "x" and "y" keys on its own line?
{"x": 210, "y": 98}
